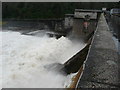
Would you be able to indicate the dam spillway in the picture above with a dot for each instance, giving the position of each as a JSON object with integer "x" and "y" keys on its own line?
{"x": 30, "y": 56}
{"x": 101, "y": 67}
{"x": 28, "y": 62}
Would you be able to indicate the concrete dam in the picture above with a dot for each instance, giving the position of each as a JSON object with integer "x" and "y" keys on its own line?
{"x": 94, "y": 61}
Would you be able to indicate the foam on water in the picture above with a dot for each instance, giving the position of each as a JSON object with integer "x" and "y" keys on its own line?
{"x": 24, "y": 58}
{"x": 0, "y": 60}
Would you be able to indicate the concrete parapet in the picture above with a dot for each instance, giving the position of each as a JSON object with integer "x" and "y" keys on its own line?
{"x": 101, "y": 68}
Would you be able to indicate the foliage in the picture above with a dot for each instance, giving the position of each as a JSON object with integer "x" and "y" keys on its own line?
{"x": 35, "y": 10}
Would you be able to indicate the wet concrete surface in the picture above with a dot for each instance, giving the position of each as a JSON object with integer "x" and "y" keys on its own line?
{"x": 102, "y": 67}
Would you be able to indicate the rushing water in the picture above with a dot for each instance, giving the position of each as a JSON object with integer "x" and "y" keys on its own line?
{"x": 0, "y": 60}
{"x": 24, "y": 59}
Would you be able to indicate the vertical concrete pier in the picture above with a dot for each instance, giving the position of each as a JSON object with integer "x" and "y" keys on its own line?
{"x": 101, "y": 68}
{"x": 84, "y": 23}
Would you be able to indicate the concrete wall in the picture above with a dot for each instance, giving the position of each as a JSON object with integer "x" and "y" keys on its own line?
{"x": 114, "y": 24}
{"x": 80, "y": 32}
{"x": 68, "y": 22}
{"x": 101, "y": 68}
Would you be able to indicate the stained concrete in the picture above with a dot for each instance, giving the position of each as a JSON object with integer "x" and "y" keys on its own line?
{"x": 102, "y": 65}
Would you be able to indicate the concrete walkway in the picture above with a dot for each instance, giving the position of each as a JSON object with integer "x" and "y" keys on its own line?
{"x": 102, "y": 65}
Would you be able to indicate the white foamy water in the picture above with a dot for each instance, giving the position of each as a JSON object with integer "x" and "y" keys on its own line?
{"x": 25, "y": 57}
{"x": 0, "y": 60}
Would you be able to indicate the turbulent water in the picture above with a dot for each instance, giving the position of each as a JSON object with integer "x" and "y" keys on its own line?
{"x": 0, "y": 60}
{"x": 24, "y": 59}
